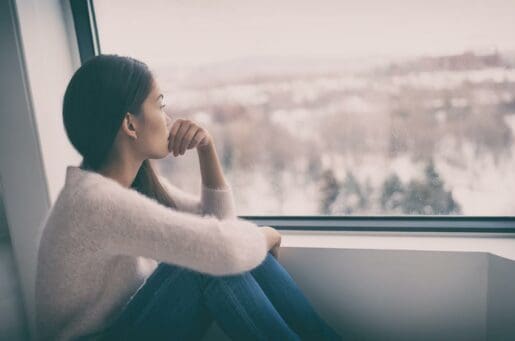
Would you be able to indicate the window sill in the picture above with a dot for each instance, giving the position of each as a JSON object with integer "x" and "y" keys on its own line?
{"x": 499, "y": 244}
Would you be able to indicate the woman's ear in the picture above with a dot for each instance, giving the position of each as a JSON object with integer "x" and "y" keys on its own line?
{"x": 129, "y": 126}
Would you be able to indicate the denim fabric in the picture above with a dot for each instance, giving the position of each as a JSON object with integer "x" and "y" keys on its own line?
{"x": 176, "y": 303}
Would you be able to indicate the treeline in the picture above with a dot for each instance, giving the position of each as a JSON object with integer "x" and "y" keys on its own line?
{"x": 427, "y": 196}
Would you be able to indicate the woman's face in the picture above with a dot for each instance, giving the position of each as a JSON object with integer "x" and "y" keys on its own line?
{"x": 153, "y": 126}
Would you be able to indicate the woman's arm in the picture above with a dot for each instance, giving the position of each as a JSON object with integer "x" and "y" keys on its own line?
{"x": 210, "y": 168}
{"x": 217, "y": 202}
{"x": 187, "y": 134}
{"x": 185, "y": 201}
{"x": 124, "y": 221}
{"x": 216, "y": 196}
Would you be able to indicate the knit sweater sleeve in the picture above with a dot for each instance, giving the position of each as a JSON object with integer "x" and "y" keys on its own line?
{"x": 212, "y": 201}
{"x": 124, "y": 221}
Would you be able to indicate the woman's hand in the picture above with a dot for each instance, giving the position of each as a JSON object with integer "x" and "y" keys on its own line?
{"x": 273, "y": 240}
{"x": 275, "y": 250}
{"x": 187, "y": 134}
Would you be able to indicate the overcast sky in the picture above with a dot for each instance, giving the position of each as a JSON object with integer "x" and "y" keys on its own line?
{"x": 195, "y": 31}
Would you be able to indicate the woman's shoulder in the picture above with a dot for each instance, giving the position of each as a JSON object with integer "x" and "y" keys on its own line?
{"x": 84, "y": 199}
{"x": 84, "y": 206}
{"x": 68, "y": 214}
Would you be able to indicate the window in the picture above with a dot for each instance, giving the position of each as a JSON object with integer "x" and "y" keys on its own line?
{"x": 337, "y": 108}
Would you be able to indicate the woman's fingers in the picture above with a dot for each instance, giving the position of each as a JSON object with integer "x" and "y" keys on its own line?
{"x": 188, "y": 135}
{"x": 178, "y": 131}
{"x": 173, "y": 132}
{"x": 275, "y": 251}
{"x": 185, "y": 134}
{"x": 199, "y": 135}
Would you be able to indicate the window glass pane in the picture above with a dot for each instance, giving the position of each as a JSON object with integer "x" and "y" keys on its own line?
{"x": 366, "y": 107}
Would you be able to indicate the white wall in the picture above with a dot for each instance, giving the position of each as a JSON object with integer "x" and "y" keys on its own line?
{"x": 51, "y": 57}
{"x": 395, "y": 295}
{"x": 13, "y": 324}
{"x": 36, "y": 63}
{"x": 501, "y": 298}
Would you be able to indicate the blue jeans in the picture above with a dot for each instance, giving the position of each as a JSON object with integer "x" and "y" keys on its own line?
{"x": 177, "y": 303}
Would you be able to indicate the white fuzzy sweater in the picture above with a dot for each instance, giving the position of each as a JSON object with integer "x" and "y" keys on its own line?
{"x": 101, "y": 240}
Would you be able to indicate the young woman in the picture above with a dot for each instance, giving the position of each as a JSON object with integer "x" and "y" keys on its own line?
{"x": 127, "y": 255}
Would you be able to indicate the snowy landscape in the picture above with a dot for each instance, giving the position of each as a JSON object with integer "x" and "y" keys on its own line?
{"x": 422, "y": 136}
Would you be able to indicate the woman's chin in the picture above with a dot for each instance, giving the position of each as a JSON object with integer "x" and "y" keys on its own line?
{"x": 160, "y": 155}
{"x": 165, "y": 154}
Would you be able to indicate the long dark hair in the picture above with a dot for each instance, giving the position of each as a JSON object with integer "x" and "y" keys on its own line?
{"x": 96, "y": 100}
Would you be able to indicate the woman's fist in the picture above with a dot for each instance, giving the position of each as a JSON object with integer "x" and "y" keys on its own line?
{"x": 187, "y": 134}
{"x": 273, "y": 240}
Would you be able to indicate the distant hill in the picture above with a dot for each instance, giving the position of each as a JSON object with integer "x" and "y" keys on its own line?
{"x": 458, "y": 62}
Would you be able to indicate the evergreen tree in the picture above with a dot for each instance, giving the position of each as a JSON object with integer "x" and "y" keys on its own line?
{"x": 429, "y": 195}
{"x": 329, "y": 189}
{"x": 351, "y": 198}
{"x": 392, "y": 193}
